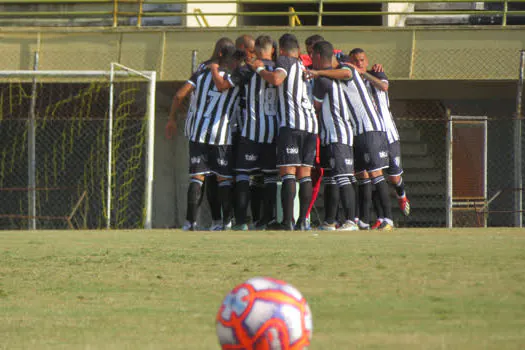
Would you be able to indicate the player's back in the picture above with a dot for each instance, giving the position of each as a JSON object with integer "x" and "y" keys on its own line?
{"x": 296, "y": 110}
{"x": 365, "y": 117}
{"x": 213, "y": 110}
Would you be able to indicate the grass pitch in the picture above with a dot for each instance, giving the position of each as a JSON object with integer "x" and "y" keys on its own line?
{"x": 410, "y": 289}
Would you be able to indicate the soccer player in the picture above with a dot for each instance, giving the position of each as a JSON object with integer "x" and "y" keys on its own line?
{"x": 370, "y": 148}
{"x": 336, "y": 135}
{"x": 209, "y": 135}
{"x": 211, "y": 184}
{"x": 379, "y": 92}
{"x": 257, "y": 148}
{"x": 296, "y": 144}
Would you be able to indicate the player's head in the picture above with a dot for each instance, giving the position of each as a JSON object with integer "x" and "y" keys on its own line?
{"x": 288, "y": 45}
{"x": 264, "y": 47}
{"x": 247, "y": 44}
{"x": 310, "y": 42}
{"x": 358, "y": 58}
{"x": 219, "y": 45}
{"x": 322, "y": 54}
{"x": 227, "y": 57}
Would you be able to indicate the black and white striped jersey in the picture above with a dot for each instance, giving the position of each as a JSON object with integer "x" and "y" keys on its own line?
{"x": 259, "y": 121}
{"x": 383, "y": 105}
{"x": 296, "y": 110}
{"x": 213, "y": 110}
{"x": 191, "y": 106}
{"x": 335, "y": 125}
{"x": 365, "y": 117}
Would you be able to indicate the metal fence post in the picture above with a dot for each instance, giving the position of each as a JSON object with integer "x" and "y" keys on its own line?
{"x": 31, "y": 150}
{"x": 449, "y": 170}
{"x": 518, "y": 180}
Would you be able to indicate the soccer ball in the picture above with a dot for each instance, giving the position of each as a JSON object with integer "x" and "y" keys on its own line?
{"x": 264, "y": 314}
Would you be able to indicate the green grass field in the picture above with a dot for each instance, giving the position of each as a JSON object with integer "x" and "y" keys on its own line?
{"x": 160, "y": 289}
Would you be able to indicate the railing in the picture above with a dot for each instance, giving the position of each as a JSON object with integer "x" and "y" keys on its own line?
{"x": 134, "y": 12}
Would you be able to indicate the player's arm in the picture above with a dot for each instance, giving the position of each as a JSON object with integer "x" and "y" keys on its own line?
{"x": 379, "y": 84}
{"x": 220, "y": 83}
{"x": 337, "y": 74}
{"x": 275, "y": 78}
{"x": 321, "y": 87}
{"x": 179, "y": 97}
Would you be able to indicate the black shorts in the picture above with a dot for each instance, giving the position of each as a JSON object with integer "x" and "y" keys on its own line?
{"x": 338, "y": 158}
{"x": 296, "y": 148}
{"x": 394, "y": 155}
{"x": 211, "y": 159}
{"x": 254, "y": 156}
{"x": 370, "y": 151}
{"x": 236, "y": 136}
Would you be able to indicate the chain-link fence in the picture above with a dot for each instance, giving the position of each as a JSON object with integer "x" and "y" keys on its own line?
{"x": 54, "y": 154}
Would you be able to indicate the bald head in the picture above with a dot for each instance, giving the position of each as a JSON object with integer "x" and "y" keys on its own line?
{"x": 246, "y": 43}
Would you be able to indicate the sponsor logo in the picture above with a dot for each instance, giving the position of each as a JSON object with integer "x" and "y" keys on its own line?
{"x": 383, "y": 154}
{"x": 349, "y": 161}
{"x": 332, "y": 162}
{"x": 251, "y": 157}
{"x": 195, "y": 160}
{"x": 292, "y": 150}
{"x": 222, "y": 162}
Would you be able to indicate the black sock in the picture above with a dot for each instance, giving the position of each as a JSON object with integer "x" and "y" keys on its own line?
{"x": 256, "y": 197}
{"x": 225, "y": 197}
{"x": 400, "y": 188}
{"x": 287, "y": 197}
{"x": 270, "y": 197}
{"x": 365, "y": 199}
{"x": 305, "y": 197}
{"x": 212, "y": 195}
{"x": 355, "y": 187}
{"x": 242, "y": 197}
{"x": 347, "y": 195}
{"x": 376, "y": 200}
{"x": 331, "y": 200}
{"x": 194, "y": 193}
{"x": 382, "y": 190}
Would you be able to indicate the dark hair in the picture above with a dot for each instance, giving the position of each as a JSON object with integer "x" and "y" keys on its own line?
{"x": 275, "y": 51}
{"x": 288, "y": 42}
{"x": 324, "y": 49}
{"x": 219, "y": 45}
{"x": 227, "y": 54}
{"x": 313, "y": 39}
{"x": 356, "y": 51}
{"x": 264, "y": 41}
{"x": 243, "y": 41}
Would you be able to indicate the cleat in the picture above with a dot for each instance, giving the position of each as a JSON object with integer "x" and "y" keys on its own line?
{"x": 404, "y": 205}
{"x": 262, "y": 225}
{"x": 216, "y": 225}
{"x": 240, "y": 227}
{"x": 301, "y": 226}
{"x": 188, "y": 226}
{"x": 362, "y": 225}
{"x": 386, "y": 226}
{"x": 276, "y": 226}
{"x": 227, "y": 226}
{"x": 377, "y": 224}
{"x": 327, "y": 227}
{"x": 348, "y": 225}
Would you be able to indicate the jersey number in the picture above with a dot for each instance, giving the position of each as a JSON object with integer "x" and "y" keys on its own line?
{"x": 211, "y": 100}
{"x": 270, "y": 102}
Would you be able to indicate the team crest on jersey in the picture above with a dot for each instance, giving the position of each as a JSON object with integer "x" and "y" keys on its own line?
{"x": 251, "y": 157}
{"x": 292, "y": 150}
{"x": 366, "y": 157}
{"x": 332, "y": 162}
{"x": 349, "y": 161}
{"x": 397, "y": 161}
{"x": 383, "y": 154}
{"x": 222, "y": 162}
{"x": 195, "y": 160}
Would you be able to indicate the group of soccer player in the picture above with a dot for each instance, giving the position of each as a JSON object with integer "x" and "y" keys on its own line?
{"x": 262, "y": 113}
